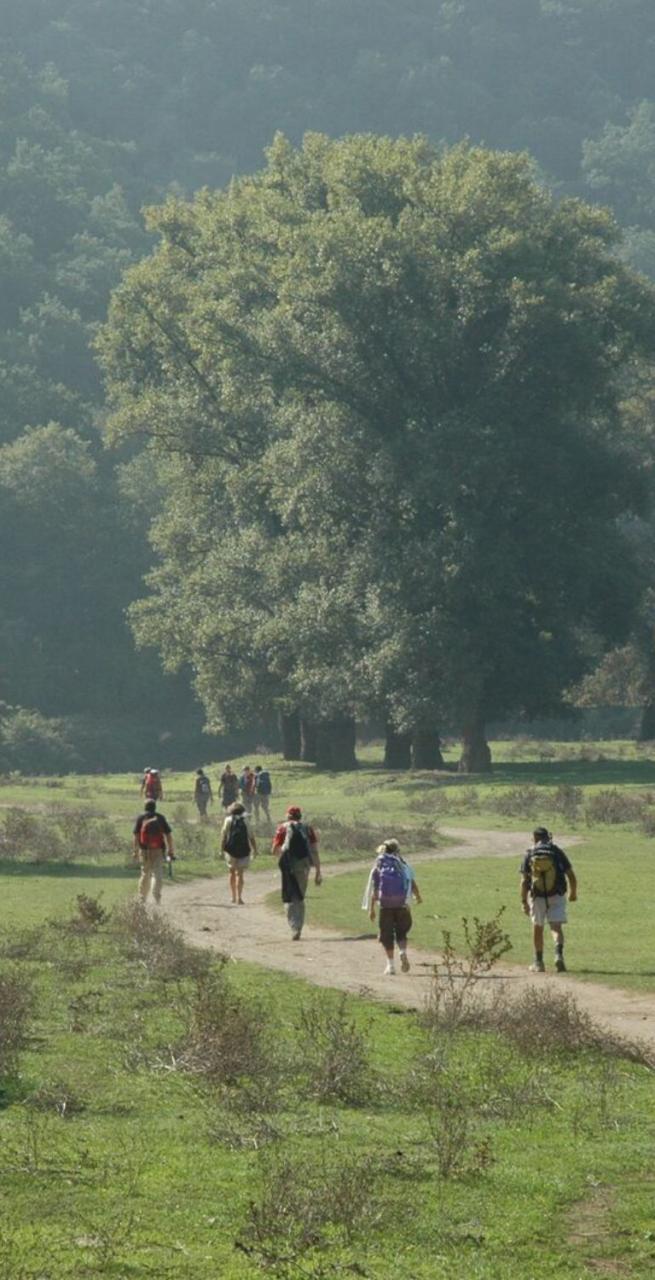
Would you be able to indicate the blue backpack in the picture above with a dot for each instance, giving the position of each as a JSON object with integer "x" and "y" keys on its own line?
{"x": 394, "y": 881}
{"x": 263, "y": 785}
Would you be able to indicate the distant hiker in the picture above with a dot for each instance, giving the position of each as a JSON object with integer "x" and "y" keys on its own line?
{"x": 545, "y": 875}
{"x": 151, "y": 787}
{"x": 152, "y": 839}
{"x": 238, "y": 846}
{"x": 229, "y": 787}
{"x": 202, "y": 793}
{"x": 392, "y": 884}
{"x": 247, "y": 787}
{"x": 296, "y": 846}
{"x": 262, "y": 794}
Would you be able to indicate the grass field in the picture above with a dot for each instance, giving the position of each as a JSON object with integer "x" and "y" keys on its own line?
{"x": 158, "y": 1119}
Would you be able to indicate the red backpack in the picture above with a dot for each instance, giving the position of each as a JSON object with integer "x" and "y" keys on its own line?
{"x": 151, "y": 835}
{"x": 152, "y": 785}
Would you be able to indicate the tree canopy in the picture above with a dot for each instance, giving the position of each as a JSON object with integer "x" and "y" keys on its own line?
{"x": 381, "y": 385}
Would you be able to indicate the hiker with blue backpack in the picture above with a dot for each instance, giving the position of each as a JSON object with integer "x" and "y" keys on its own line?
{"x": 295, "y": 844}
{"x": 238, "y": 846}
{"x": 262, "y": 794}
{"x": 546, "y": 875}
{"x": 391, "y": 887}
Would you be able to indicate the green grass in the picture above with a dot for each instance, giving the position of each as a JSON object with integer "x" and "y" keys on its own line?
{"x": 134, "y": 1183}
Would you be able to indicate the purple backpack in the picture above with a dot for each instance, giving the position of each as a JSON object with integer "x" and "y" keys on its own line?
{"x": 392, "y": 890}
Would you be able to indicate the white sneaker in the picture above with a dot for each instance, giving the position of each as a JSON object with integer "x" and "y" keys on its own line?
{"x": 391, "y": 968}
{"x": 404, "y": 962}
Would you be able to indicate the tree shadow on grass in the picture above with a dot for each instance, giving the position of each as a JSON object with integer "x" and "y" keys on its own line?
{"x": 12, "y": 868}
{"x": 546, "y": 773}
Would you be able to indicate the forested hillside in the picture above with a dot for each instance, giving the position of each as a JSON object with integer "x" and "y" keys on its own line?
{"x": 106, "y": 106}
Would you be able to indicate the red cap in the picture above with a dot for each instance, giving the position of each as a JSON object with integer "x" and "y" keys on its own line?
{"x": 293, "y": 811}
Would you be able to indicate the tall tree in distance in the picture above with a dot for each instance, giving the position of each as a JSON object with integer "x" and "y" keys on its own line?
{"x": 399, "y": 372}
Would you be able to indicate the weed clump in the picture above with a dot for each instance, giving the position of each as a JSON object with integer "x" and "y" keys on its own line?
{"x": 453, "y": 999}
{"x": 16, "y": 1010}
{"x": 148, "y": 940}
{"x": 228, "y": 1042}
{"x": 611, "y": 806}
{"x": 335, "y": 1053}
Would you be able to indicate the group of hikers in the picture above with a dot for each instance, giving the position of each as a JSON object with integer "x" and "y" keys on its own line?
{"x": 548, "y": 881}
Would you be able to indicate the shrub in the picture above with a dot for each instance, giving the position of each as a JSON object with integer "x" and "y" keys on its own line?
{"x": 518, "y": 802}
{"x": 538, "y": 1026}
{"x": 161, "y": 950}
{"x": 228, "y": 1041}
{"x": 568, "y": 801}
{"x": 335, "y": 1054}
{"x": 452, "y": 1000}
{"x": 612, "y": 806}
{"x": 16, "y": 1007}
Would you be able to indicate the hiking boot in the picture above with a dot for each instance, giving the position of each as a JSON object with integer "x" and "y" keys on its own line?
{"x": 404, "y": 962}
{"x": 295, "y": 937}
{"x": 559, "y": 964}
{"x": 391, "y": 968}
{"x": 538, "y": 967}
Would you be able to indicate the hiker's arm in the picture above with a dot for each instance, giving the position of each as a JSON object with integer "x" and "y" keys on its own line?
{"x": 416, "y": 892}
{"x": 573, "y": 885}
{"x": 374, "y": 903}
{"x": 525, "y": 888}
{"x": 316, "y": 861}
{"x": 253, "y": 846}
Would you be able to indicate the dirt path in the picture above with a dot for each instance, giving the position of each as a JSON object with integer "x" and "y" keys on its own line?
{"x": 203, "y": 912}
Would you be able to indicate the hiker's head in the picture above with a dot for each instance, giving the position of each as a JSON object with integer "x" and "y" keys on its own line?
{"x": 237, "y": 807}
{"x": 294, "y": 813}
{"x": 200, "y": 772}
{"x": 388, "y": 846}
{"x": 540, "y": 835}
{"x": 151, "y": 805}
{"x": 228, "y": 768}
{"x": 258, "y": 768}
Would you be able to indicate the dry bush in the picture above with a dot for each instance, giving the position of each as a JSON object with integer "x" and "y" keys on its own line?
{"x": 453, "y": 998}
{"x": 305, "y": 1208}
{"x": 61, "y": 835}
{"x": 518, "y": 802}
{"x": 360, "y": 839}
{"x": 57, "y": 1096}
{"x": 16, "y": 1009}
{"x": 24, "y": 835}
{"x": 612, "y": 806}
{"x": 538, "y": 1024}
{"x": 147, "y": 939}
{"x": 194, "y": 839}
{"x": 90, "y": 912}
{"x": 229, "y": 1042}
{"x": 335, "y": 1060}
{"x": 567, "y": 800}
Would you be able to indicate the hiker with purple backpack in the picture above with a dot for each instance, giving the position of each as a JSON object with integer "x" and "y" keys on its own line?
{"x": 391, "y": 885}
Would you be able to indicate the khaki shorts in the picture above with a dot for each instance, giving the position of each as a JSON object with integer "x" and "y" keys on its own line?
{"x": 237, "y": 864}
{"x": 551, "y": 909}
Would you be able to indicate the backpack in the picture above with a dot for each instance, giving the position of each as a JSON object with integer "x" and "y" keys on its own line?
{"x": 203, "y": 785}
{"x": 152, "y": 786}
{"x": 544, "y": 872}
{"x": 264, "y": 783}
{"x": 238, "y": 840}
{"x": 296, "y": 841}
{"x": 151, "y": 835}
{"x": 393, "y": 882}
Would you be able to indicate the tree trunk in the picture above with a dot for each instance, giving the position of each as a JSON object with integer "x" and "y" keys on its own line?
{"x": 397, "y": 749}
{"x": 290, "y": 735}
{"x": 335, "y": 745}
{"x": 426, "y": 750}
{"x": 476, "y": 756}
{"x": 647, "y": 726}
{"x": 308, "y": 741}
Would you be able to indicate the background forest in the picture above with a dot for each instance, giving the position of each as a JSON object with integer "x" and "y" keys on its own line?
{"x": 108, "y": 106}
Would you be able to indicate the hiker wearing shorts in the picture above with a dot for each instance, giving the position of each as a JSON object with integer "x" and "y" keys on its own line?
{"x": 295, "y": 844}
{"x": 238, "y": 846}
{"x": 247, "y": 783}
{"x": 545, "y": 875}
{"x": 202, "y": 793}
{"x": 152, "y": 840}
{"x": 392, "y": 885}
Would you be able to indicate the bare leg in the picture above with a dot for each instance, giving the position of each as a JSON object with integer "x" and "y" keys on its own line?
{"x": 240, "y": 885}
{"x": 233, "y": 883}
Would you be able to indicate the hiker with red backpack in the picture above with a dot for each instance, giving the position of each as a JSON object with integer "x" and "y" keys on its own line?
{"x": 153, "y": 840}
{"x": 546, "y": 874}
{"x": 238, "y": 846}
{"x": 295, "y": 844}
{"x": 391, "y": 885}
{"x": 151, "y": 787}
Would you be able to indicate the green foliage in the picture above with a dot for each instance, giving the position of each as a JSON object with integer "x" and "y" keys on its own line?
{"x": 378, "y": 312}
